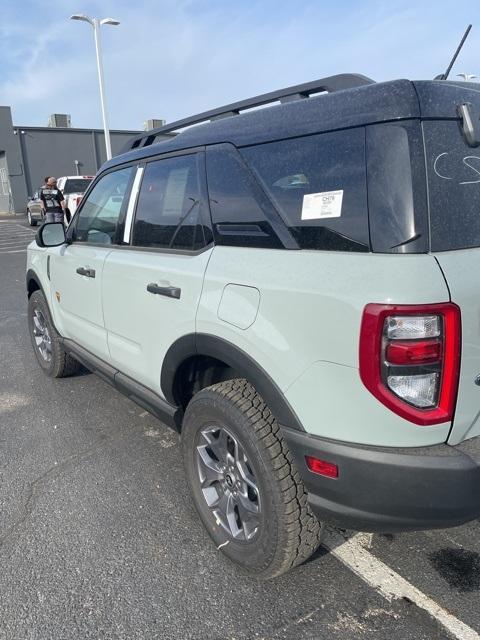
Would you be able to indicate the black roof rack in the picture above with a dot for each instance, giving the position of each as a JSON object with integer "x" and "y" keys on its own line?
{"x": 297, "y": 92}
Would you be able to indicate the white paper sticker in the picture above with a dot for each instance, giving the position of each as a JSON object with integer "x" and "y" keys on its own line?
{"x": 327, "y": 204}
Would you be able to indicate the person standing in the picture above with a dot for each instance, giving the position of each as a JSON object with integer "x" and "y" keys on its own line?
{"x": 53, "y": 202}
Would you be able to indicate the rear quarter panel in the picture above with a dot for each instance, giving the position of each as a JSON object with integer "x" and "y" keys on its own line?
{"x": 306, "y": 331}
{"x": 461, "y": 269}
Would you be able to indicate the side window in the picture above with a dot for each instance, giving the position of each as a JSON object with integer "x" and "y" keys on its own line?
{"x": 99, "y": 216}
{"x": 318, "y": 185}
{"x": 168, "y": 208}
{"x": 235, "y": 202}
{"x": 397, "y": 199}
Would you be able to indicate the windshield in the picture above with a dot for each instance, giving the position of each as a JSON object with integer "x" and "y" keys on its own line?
{"x": 76, "y": 185}
{"x": 453, "y": 170}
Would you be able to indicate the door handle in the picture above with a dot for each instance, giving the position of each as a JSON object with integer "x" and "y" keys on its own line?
{"x": 83, "y": 271}
{"x": 170, "y": 292}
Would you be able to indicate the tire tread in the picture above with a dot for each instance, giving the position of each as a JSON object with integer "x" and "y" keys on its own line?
{"x": 301, "y": 529}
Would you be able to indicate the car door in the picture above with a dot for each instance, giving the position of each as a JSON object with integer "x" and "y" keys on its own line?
{"x": 76, "y": 268}
{"x": 151, "y": 289}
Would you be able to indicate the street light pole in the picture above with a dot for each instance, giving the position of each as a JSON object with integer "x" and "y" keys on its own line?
{"x": 96, "y": 24}
{"x": 98, "y": 51}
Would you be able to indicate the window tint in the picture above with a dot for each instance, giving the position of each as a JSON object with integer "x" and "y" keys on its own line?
{"x": 453, "y": 170}
{"x": 235, "y": 202}
{"x": 98, "y": 218}
{"x": 168, "y": 206}
{"x": 318, "y": 185}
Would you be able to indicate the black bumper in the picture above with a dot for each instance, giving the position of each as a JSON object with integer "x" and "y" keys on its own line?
{"x": 389, "y": 489}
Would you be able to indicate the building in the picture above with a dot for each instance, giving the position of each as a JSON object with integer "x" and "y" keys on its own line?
{"x": 28, "y": 154}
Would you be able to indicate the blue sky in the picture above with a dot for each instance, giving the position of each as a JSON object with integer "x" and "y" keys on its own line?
{"x": 173, "y": 58}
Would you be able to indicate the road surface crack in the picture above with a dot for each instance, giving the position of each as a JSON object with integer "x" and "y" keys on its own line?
{"x": 34, "y": 487}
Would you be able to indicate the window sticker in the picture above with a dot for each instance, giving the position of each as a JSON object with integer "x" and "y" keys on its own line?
{"x": 326, "y": 204}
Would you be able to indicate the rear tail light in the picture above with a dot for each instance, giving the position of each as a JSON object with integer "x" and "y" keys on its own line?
{"x": 78, "y": 199}
{"x": 410, "y": 359}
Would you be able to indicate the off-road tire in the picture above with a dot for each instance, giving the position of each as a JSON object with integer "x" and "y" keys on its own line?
{"x": 61, "y": 363}
{"x": 288, "y": 532}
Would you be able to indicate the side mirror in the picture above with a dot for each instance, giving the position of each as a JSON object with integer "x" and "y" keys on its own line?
{"x": 51, "y": 234}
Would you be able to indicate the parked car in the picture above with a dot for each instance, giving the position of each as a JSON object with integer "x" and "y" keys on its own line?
{"x": 73, "y": 188}
{"x": 294, "y": 289}
{"x": 34, "y": 209}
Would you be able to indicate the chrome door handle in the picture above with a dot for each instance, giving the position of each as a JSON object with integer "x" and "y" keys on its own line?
{"x": 170, "y": 292}
{"x": 83, "y": 271}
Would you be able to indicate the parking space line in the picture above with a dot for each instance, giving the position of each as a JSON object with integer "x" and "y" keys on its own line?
{"x": 14, "y": 240}
{"x": 14, "y": 251}
{"x": 18, "y": 236}
{"x": 352, "y": 553}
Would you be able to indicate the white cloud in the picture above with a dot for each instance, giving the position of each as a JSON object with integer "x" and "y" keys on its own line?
{"x": 171, "y": 59}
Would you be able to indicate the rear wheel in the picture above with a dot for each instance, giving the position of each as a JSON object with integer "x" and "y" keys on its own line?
{"x": 32, "y": 223}
{"x": 244, "y": 483}
{"x": 51, "y": 355}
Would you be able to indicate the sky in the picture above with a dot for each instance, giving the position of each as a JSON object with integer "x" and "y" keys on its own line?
{"x": 173, "y": 58}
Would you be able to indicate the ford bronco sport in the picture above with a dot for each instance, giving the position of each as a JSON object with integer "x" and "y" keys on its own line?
{"x": 294, "y": 289}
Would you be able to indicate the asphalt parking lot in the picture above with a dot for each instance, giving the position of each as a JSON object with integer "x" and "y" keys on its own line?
{"x": 99, "y": 538}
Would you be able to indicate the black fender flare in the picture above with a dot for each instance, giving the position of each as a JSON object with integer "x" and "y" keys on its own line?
{"x": 209, "y": 345}
{"x": 31, "y": 275}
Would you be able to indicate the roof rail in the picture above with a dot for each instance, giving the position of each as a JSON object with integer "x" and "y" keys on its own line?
{"x": 289, "y": 94}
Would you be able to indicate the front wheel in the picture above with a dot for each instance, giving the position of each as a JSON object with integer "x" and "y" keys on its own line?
{"x": 244, "y": 483}
{"x": 46, "y": 342}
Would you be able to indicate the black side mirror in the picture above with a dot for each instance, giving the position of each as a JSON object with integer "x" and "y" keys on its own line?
{"x": 51, "y": 234}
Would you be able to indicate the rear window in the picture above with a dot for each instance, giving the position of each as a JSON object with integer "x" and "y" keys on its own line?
{"x": 318, "y": 185}
{"x": 453, "y": 170}
{"x": 76, "y": 185}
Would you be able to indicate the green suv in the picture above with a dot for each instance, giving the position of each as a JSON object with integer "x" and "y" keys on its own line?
{"x": 293, "y": 289}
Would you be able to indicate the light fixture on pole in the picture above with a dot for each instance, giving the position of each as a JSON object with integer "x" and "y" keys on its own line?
{"x": 96, "y": 24}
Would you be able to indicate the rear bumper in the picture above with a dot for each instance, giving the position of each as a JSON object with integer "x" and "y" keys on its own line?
{"x": 387, "y": 489}
{"x": 36, "y": 215}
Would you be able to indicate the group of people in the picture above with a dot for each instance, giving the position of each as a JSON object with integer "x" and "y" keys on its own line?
{"x": 54, "y": 206}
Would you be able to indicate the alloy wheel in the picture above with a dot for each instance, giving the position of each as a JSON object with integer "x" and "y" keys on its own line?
{"x": 41, "y": 335}
{"x": 228, "y": 483}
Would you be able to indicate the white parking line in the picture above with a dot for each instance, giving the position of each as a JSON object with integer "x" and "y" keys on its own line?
{"x": 14, "y": 251}
{"x": 352, "y": 553}
{"x": 16, "y": 236}
{"x": 17, "y": 227}
{"x": 14, "y": 239}
{"x": 16, "y": 230}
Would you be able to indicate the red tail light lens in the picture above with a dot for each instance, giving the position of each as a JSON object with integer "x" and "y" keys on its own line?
{"x": 413, "y": 351}
{"x": 410, "y": 359}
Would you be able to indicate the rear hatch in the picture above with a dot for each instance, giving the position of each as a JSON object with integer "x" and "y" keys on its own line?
{"x": 453, "y": 174}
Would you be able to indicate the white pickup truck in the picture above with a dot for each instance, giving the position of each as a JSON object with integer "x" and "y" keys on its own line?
{"x": 73, "y": 188}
